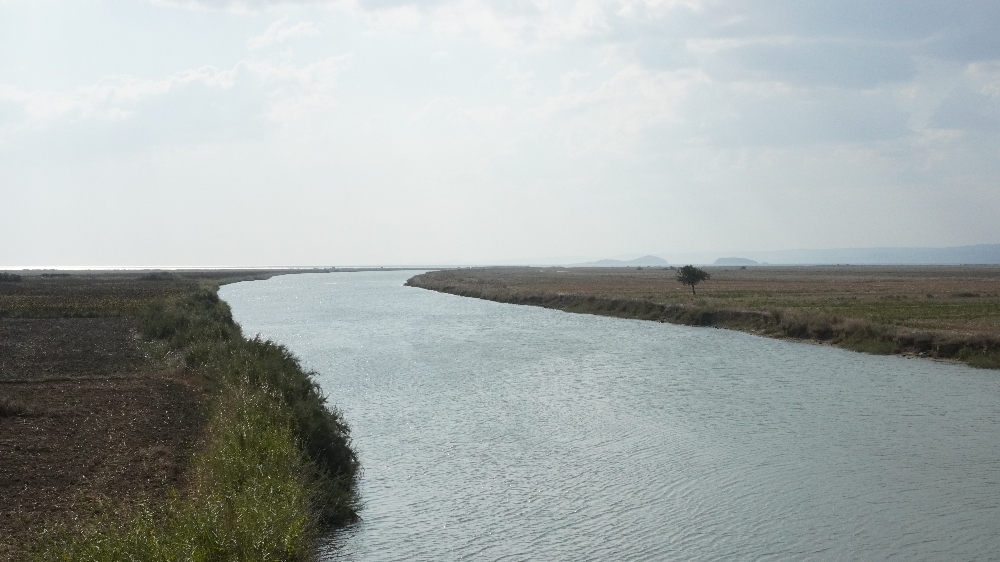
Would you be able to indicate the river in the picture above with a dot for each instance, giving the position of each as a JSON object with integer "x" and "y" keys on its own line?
{"x": 491, "y": 431}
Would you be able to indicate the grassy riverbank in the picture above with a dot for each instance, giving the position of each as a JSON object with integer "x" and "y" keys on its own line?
{"x": 946, "y": 312}
{"x": 259, "y": 463}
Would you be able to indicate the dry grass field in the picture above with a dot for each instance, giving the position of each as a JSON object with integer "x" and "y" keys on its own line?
{"x": 96, "y": 293}
{"x": 948, "y": 312}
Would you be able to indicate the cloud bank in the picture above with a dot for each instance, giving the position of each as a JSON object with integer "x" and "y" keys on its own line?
{"x": 473, "y": 130}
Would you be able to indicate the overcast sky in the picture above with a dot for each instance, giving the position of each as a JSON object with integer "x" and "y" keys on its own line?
{"x": 209, "y": 132}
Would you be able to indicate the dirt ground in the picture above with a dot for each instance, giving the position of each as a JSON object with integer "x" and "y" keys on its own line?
{"x": 69, "y": 443}
{"x": 85, "y": 416}
{"x": 93, "y": 418}
{"x": 32, "y": 348}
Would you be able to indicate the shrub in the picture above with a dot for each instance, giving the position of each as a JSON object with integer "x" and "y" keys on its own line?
{"x": 867, "y": 344}
{"x": 203, "y": 327}
{"x": 983, "y": 357}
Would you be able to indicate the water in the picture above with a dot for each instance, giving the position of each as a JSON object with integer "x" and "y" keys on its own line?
{"x": 500, "y": 432}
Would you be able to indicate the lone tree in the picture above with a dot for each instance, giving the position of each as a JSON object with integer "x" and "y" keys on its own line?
{"x": 691, "y": 275}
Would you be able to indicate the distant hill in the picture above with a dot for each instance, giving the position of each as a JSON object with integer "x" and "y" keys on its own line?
{"x": 979, "y": 254}
{"x": 734, "y": 261}
{"x": 644, "y": 261}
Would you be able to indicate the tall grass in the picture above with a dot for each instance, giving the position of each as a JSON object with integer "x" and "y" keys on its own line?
{"x": 276, "y": 463}
{"x": 202, "y": 326}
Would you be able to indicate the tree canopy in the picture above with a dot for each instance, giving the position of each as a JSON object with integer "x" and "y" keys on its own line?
{"x": 691, "y": 275}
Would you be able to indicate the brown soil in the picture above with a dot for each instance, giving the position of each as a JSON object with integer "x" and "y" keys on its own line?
{"x": 67, "y": 445}
{"x": 87, "y": 419}
{"x": 67, "y": 347}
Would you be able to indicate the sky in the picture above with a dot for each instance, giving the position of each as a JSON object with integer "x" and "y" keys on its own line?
{"x": 378, "y": 132}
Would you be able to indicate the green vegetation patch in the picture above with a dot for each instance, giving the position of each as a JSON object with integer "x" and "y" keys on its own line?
{"x": 981, "y": 358}
{"x": 249, "y": 500}
{"x": 866, "y": 343}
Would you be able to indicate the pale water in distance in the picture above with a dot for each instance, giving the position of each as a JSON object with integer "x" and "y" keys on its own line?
{"x": 499, "y": 432}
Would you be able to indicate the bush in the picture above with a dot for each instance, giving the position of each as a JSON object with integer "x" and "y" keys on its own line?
{"x": 9, "y": 277}
{"x": 202, "y": 325}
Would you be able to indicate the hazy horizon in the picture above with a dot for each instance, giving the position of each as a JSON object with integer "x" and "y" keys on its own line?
{"x": 219, "y": 133}
{"x": 987, "y": 254}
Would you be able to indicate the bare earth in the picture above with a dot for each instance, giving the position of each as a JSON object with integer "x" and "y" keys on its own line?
{"x": 85, "y": 417}
{"x": 88, "y": 419}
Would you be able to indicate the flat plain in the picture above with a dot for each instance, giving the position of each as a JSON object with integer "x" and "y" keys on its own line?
{"x": 948, "y": 312}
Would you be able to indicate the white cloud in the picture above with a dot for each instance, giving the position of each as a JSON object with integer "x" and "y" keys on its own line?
{"x": 530, "y": 23}
{"x": 391, "y": 20}
{"x": 291, "y": 88}
{"x": 298, "y": 92}
{"x": 987, "y": 76}
{"x": 538, "y": 23}
{"x": 111, "y": 98}
{"x": 617, "y": 111}
{"x": 626, "y": 108}
{"x": 712, "y": 46}
{"x": 246, "y": 6}
{"x": 280, "y": 31}
{"x": 318, "y": 74}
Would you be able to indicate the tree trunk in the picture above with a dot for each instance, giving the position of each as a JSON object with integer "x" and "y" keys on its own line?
{"x": 692, "y": 289}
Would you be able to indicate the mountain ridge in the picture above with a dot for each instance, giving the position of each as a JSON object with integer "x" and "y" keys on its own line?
{"x": 644, "y": 261}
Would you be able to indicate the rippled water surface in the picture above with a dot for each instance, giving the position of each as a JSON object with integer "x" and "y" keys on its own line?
{"x": 500, "y": 432}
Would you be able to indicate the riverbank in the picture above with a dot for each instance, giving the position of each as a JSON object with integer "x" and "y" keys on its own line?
{"x": 943, "y": 312}
{"x": 136, "y": 421}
